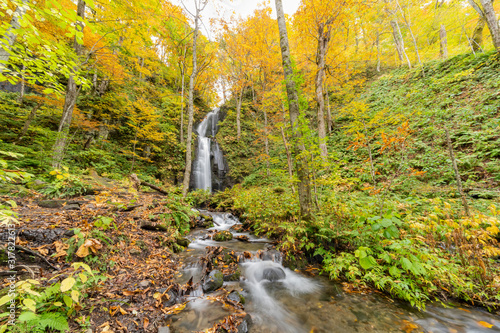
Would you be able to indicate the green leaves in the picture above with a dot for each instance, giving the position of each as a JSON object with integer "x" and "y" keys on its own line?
{"x": 366, "y": 261}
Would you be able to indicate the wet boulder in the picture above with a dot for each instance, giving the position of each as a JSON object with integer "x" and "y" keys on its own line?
{"x": 222, "y": 236}
{"x": 183, "y": 241}
{"x": 214, "y": 281}
{"x": 273, "y": 274}
{"x": 234, "y": 276}
{"x": 236, "y": 297}
{"x": 244, "y": 326}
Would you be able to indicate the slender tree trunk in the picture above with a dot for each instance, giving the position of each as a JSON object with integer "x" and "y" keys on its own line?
{"x": 266, "y": 144}
{"x": 70, "y": 99}
{"x": 329, "y": 120}
{"x": 320, "y": 98}
{"x": 477, "y": 35}
{"x": 457, "y": 174}
{"x": 301, "y": 163}
{"x": 23, "y": 86}
{"x": 10, "y": 37}
{"x": 287, "y": 150}
{"x": 408, "y": 25}
{"x": 468, "y": 39}
{"x": 28, "y": 122}
{"x": 378, "y": 51}
{"x": 398, "y": 40}
{"x": 133, "y": 152}
{"x": 492, "y": 21}
{"x": 192, "y": 78}
{"x": 182, "y": 105}
{"x": 238, "y": 114}
{"x": 443, "y": 42}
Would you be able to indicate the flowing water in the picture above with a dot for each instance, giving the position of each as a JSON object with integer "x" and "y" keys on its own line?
{"x": 209, "y": 155}
{"x": 293, "y": 302}
{"x": 299, "y": 303}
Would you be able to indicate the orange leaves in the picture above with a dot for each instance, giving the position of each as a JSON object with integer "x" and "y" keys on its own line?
{"x": 93, "y": 244}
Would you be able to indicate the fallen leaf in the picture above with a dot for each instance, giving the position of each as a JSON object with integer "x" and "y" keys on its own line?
{"x": 485, "y": 324}
{"x": 146, "y": 323}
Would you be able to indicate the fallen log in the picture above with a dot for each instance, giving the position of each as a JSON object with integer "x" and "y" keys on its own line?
{"x": 137, "y": 182}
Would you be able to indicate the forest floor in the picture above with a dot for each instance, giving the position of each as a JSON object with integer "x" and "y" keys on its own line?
{"x": 134, "y": 286}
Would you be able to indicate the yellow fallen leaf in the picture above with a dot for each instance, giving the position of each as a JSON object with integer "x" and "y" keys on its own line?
{"x": 485, "y": 324}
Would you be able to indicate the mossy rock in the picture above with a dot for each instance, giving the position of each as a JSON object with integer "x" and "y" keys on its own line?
{"x": 183, "y": 241}
{"x": 222, "y": 236}
{"x": 207, "y": 217}
{"x": 36, "y": 184}
{"x": 234, "y": 276}
{"x": 214, "y": 281}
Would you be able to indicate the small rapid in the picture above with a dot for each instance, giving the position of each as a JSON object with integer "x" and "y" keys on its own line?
{"x": 281, "y": 300}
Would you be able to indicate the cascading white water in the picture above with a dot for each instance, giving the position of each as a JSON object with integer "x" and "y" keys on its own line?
{"x": 207, "y": 147}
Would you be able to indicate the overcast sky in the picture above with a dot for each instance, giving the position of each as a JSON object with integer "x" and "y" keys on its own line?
{"x": 226, "y": 8}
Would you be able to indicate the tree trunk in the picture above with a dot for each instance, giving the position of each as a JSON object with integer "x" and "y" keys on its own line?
{"x": 192, "y": 78}
{"x": 408, "y": 25}
{"x": 329, "y": 120}
{"x": 266, "y": 143}
{"x": 477, "y": 35}
{"x": 398, "y": 40}
{"x": 182, "y": 106}
{"x": 238, "y": 114}
{"x": 10, "y": 37}
{"x": 70, "y": 99}
{"x": 324, "y": 37}
{"x": 457, "y": 174}
{"x": 28, "y": 122}
{"x": 492, "y": 21}
{"x": 287, "y": 150}
{"x": 378, "y": 51}
{"x": 444, "y": 42}
{"x": 301, "y": 163}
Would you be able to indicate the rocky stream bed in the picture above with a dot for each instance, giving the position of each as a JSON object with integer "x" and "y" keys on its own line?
{"x": 222, "y": 278}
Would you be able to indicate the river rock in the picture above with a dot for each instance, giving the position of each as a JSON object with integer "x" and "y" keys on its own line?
{"x": 236, "y": 297}
{"x": 222, "y": 236}
{"x": 273, "y": 274}
{"x": 183, "y": 241}
{"x": 244, "y": 327}
{"x": 214, "y": 281}
{"x": 271, "y": 255}
{"x": 164, "y": 329}
{"x": 233, "y": 276}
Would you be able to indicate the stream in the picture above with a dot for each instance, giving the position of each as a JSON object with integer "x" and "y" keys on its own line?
{"x": 280, "y": 300}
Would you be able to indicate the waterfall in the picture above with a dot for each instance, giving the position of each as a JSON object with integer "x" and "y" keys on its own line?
{"x": 209, "y": 168}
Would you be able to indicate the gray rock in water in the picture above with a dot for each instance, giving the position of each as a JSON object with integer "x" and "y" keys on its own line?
{"x": 236, "y": 297}
{"x": 271, "y": 255}
{"x": 244, "y": 327}
{"x": 214, "y": 281}
{"x": 273, "y": 274}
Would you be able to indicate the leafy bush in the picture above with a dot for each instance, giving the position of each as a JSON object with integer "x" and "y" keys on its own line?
{"x": 63, "y": 184}
{"x": 49, "y": 307}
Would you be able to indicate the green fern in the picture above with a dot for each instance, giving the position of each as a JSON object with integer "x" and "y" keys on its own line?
{"x": 54, "y": 321}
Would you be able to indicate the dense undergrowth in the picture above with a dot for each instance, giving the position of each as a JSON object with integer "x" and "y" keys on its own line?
{"x": 396, "y": 223}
